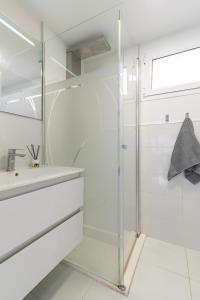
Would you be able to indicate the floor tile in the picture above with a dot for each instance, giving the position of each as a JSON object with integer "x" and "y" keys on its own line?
{"x": 165, "y": 255}
{"x": 154, "y": 283}
{"x": 195, "y": 290}
{"x": 97, "y": 257}
{"x": 194, "y": 264}
{"x": 63, "y": 283}
{"x": 160, "y": 275}
{"x": 98, "y": 291}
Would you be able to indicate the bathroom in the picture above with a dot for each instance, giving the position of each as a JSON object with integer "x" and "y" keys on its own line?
{"x": 98, "y": 104}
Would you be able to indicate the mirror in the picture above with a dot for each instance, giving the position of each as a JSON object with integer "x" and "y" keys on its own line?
{"x": 20, "y": 71}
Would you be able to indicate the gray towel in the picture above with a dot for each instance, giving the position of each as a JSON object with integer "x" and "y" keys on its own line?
{"x": 193, "y": 174}
{"x": 186, "y": 154}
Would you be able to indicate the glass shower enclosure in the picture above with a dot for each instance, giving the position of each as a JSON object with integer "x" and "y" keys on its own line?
{"x": 90, "y": 122}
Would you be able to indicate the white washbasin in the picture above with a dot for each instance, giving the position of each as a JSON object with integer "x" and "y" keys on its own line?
{"x": 29, "y": 179}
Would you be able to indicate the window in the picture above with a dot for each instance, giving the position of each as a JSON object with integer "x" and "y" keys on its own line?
{"x": 176, "y": 70}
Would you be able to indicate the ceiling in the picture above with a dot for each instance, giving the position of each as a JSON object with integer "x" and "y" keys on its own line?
{"x": 144, "y": 19}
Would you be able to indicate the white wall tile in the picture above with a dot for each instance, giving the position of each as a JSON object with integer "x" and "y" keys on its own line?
{"x": 159, "y": 135}
{"x": 161, "y": 207}
{"x": 159, "y": 184}
{"x": 170, "y": 210}
{"x": 165, "y": 230}
{"x": 155, "y": 110}
{"x": 155, "y": 160}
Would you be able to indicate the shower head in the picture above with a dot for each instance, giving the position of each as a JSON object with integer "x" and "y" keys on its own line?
{"x": 91, "y": 48}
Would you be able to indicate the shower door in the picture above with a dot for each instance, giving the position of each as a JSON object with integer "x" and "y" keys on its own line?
{"x": 83, "y": 128}
{"x": 129, "y": 228}
{"x": 129, "y": 143}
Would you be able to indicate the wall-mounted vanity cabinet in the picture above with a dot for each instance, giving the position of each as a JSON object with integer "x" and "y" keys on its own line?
{"x": 39, "y": 227}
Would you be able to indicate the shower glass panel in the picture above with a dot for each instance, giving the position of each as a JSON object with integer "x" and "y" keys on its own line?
{"x": 84, "y": 128}
{"x": 129, "y": 68}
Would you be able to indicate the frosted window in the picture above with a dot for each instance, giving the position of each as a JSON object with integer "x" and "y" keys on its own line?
{"x": 177, "y": 69}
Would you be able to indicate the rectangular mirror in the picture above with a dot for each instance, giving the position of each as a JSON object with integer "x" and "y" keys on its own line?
{"x": 20, "y": 71}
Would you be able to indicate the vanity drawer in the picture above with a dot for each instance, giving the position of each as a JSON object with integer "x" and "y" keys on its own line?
{"x": 26, "y": 216}
{"x": 22, "y": 272}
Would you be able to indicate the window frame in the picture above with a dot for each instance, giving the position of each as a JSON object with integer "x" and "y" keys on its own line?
{"x": 148, "y": 78}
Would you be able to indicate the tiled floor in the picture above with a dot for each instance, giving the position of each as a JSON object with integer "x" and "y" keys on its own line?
{"x": 96, "y": 256}
{"x": 164, "y": 272}
{"x": 102, "y": 259}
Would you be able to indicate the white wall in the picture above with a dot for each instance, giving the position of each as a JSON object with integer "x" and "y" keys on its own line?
{"x": 16, "y": 131}
{"x": 55, "y": 57}
{"x": 170, "y": 210}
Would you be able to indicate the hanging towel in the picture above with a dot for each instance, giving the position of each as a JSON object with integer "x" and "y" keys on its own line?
{"x": 186, "y": 154}
{"x": 193, "y": 174}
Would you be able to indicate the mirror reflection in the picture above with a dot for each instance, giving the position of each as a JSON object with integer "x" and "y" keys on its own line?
{"x": 20, "y": 71}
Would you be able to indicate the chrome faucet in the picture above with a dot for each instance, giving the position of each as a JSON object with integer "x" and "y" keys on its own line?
{"x": 11, "y": 158}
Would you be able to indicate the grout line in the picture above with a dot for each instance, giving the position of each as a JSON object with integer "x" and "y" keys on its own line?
{"x": 90, "y": 279}
{"x": 87, "y": 290}
{"x": 186, "y": 254}
{"x": 142, "y": 261}
{"x": 165, "y": 269}
{"x": 162, "y": 123}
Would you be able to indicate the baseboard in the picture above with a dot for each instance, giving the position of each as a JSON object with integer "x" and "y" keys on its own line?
{"x": 101, "y": 235}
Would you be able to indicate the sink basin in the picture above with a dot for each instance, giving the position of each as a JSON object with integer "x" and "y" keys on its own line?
{"x": 25, "y": 180}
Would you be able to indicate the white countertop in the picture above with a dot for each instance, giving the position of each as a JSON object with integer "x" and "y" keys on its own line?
{"x": 25, "y": 180}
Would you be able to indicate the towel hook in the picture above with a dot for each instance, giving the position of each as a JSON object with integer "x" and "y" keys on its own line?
{"x": 187, "y": 115}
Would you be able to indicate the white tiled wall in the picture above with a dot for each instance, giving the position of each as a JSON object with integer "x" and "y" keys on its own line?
{"x": 170, "y": 210}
